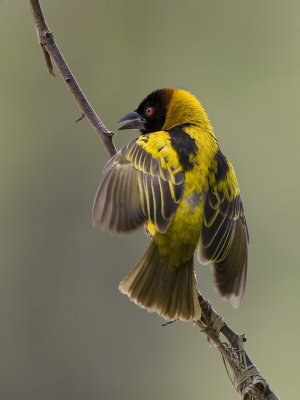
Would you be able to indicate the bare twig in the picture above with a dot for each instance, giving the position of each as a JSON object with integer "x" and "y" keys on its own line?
{"x": 79, "y": 118}
{"x": 52, "y": 52}
{"x": 248, "y": 381}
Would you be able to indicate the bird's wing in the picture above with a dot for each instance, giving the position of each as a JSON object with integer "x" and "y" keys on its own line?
{"x": 224, "y": 235}
{"x": 138, "y": 187}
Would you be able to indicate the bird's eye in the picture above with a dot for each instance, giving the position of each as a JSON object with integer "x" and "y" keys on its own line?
{"x": 149, "y": 111}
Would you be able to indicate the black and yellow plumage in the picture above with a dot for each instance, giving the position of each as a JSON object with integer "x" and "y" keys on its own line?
{"x": 175, "y": 179}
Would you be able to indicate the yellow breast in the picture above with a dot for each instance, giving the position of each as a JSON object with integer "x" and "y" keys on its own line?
{"x": 180, "y": 241}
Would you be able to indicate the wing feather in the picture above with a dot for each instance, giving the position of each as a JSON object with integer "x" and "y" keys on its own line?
{"x": 136, "y": 188}
{"x": 224, "y": 237}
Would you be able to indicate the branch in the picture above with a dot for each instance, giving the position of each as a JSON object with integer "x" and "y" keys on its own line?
{"x": 248, "y": 381}
{"x": 52, "y": 52}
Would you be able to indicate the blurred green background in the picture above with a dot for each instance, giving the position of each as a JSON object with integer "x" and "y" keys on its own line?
{"x": 65, "y": 330}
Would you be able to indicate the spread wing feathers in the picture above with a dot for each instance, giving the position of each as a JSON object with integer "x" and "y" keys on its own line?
{"x": 136, "y": 188}
{"x": 224, "y": 240}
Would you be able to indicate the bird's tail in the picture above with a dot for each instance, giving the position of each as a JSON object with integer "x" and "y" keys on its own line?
{"x": 152, "y": 285}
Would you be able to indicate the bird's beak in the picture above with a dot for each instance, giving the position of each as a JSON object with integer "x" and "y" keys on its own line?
{"x": 136, "y": 121}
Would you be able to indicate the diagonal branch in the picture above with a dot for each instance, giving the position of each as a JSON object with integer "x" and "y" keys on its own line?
{"x": 248, "y": 381}
{"x": 52, "y": 53}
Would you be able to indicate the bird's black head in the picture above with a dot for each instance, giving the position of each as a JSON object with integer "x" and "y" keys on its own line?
{"x": 151, "y": 113}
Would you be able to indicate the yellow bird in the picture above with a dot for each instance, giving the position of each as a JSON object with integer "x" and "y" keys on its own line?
{"x": 175, "y": 178}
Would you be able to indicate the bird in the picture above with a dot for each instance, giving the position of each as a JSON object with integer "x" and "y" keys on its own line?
{"x": 174, "y": 179}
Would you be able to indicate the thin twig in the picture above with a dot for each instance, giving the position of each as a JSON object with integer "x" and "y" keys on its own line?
{"x": 248, "y": 381}
{"x": 52, "y": 52}
{"x": 79, "y": 118}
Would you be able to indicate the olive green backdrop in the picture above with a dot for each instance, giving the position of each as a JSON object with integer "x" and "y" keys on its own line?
{"x": 65, "y": 330}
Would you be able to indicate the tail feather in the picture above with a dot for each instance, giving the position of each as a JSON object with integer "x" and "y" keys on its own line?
{"x": 152, "y": 285}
